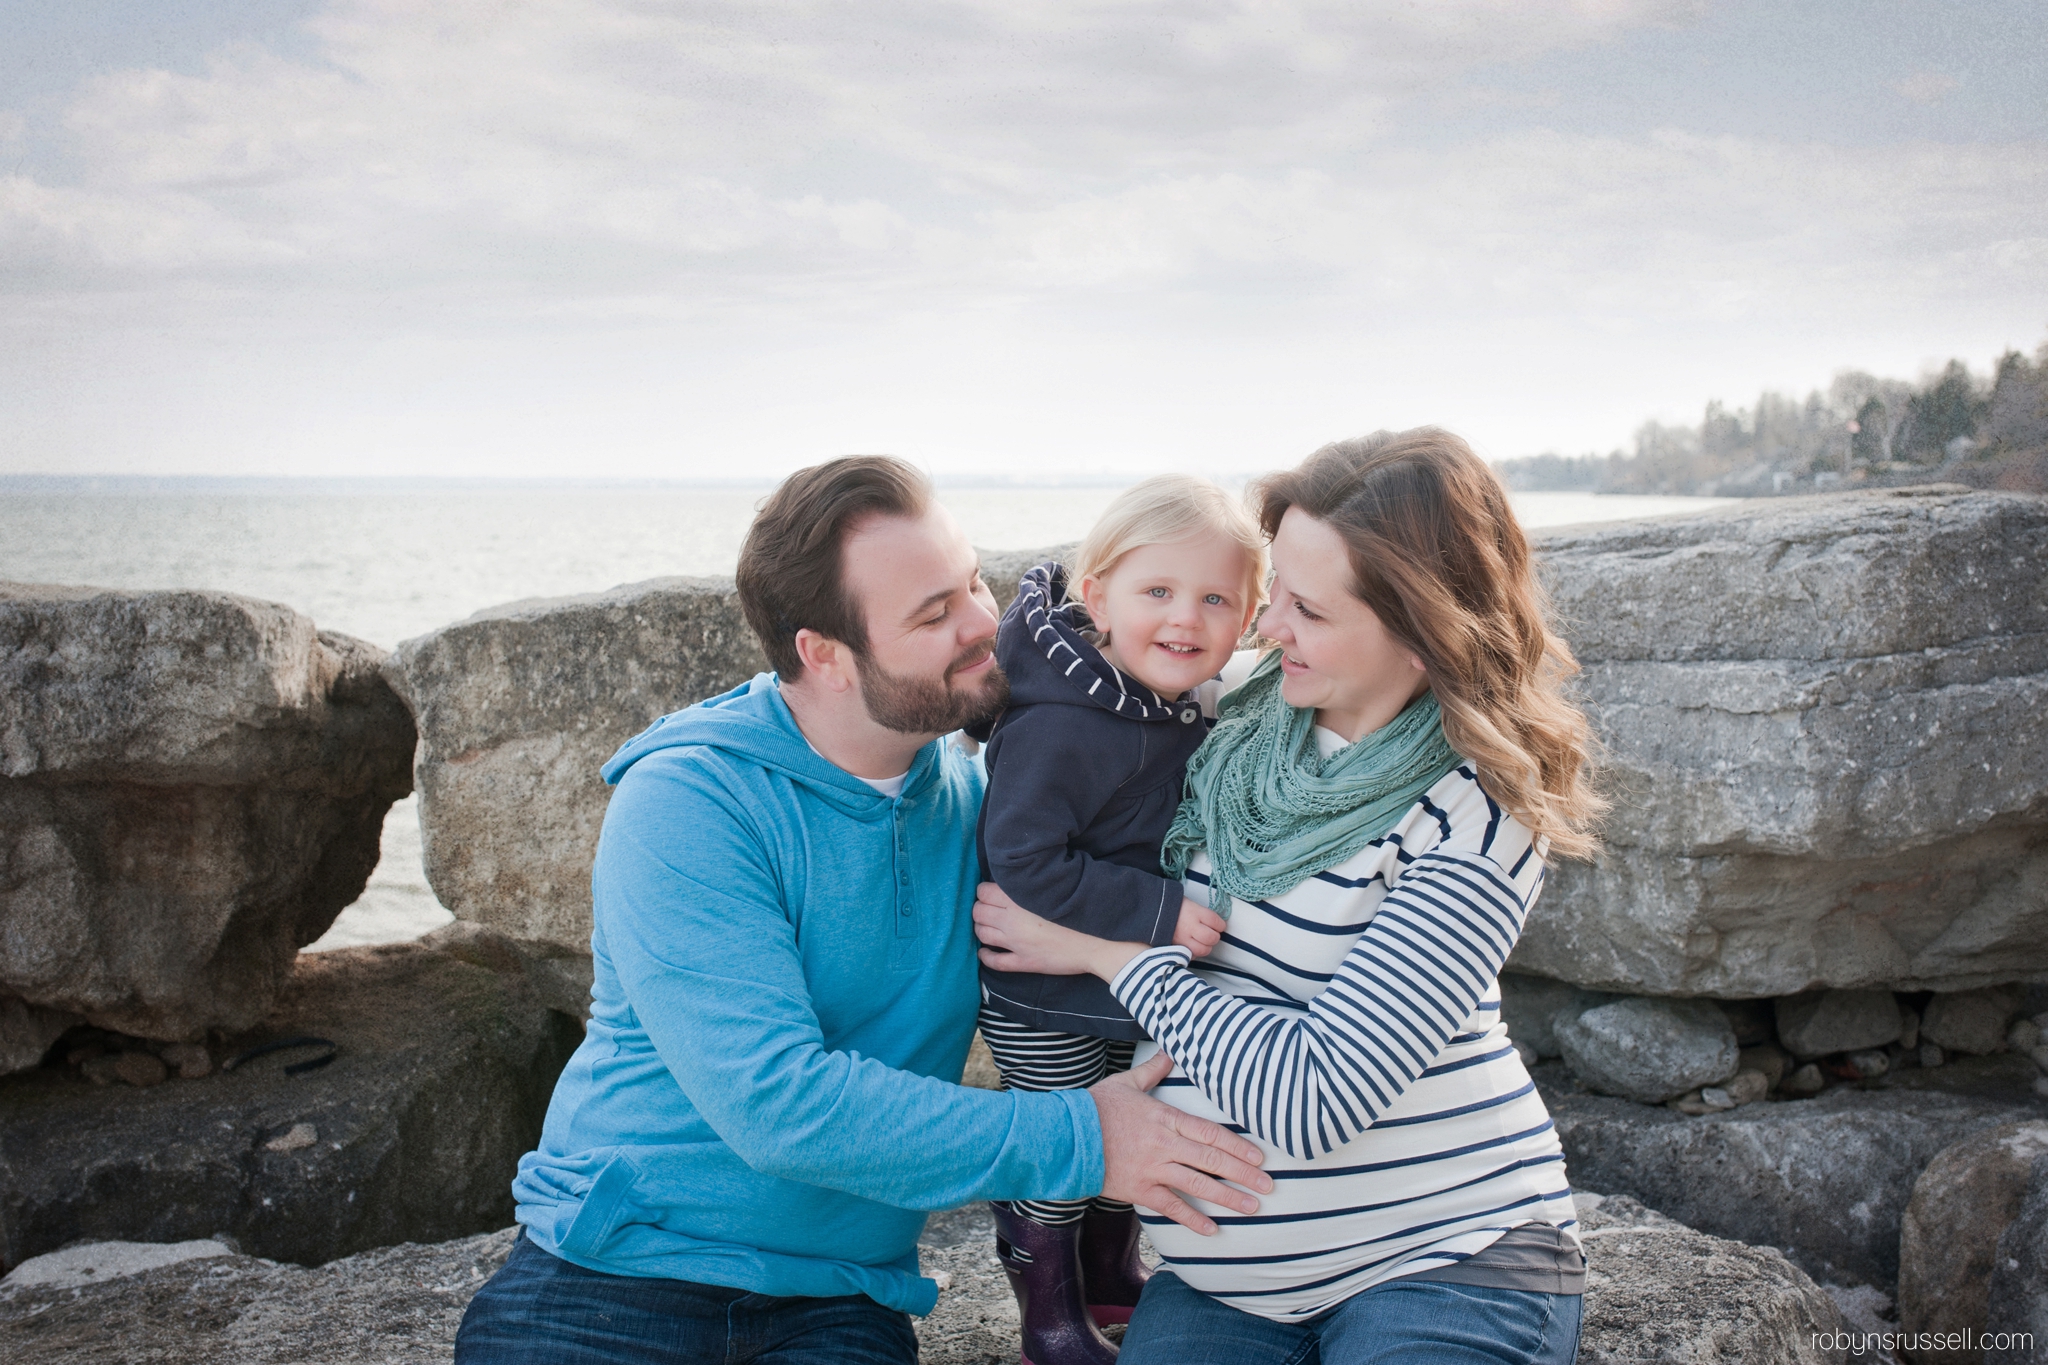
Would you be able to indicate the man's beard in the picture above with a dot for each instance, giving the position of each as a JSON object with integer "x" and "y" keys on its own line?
{"x": 932, "y": 706}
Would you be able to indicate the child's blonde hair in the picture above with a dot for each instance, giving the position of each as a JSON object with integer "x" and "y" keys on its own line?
{"x": 1167, "y": 508}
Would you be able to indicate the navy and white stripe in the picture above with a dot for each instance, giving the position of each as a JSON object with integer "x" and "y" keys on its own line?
{"x": 1351, "y": 1027}
{"x": 1039, "y": 1059}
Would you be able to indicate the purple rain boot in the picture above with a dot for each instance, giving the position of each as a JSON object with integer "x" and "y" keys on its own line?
{"x": 1112, "y": 1273}
{"x": 1044, "y": 1266}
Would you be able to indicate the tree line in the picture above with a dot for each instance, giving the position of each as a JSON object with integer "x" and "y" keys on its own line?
{"x": 1861, "y": 430}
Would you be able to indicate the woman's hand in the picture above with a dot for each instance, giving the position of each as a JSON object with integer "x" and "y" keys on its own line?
{"x": 1015, "y": 940}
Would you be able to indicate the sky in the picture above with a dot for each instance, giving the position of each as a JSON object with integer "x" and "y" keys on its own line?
{"x": 634, "y": 238}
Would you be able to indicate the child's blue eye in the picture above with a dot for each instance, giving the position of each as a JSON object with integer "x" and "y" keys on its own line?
{"x": 1215, "y": 599}
{"x": 1157, "y": 592}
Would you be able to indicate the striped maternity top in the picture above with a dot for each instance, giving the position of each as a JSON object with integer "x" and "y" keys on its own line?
{"x": 1351, "y": 1027}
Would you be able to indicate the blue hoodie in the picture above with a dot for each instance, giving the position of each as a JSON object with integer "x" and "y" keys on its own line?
{"x": 784, "y": 994}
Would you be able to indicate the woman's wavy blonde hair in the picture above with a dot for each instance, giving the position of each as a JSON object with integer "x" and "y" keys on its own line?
{"x": 1437, "y": 554}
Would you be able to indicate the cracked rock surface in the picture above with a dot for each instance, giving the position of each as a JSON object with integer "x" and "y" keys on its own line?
{"x": 1826, "y": 723}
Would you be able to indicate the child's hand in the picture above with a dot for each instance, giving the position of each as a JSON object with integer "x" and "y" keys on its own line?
{"x": 1200, "y": 928}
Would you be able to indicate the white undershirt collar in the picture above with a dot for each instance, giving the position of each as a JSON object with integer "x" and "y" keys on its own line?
{"x": 1328, "y": 741}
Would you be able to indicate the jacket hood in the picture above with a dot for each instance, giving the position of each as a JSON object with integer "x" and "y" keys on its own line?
{"x": 1041, "y": 645}
{"x": 753, "y": 724}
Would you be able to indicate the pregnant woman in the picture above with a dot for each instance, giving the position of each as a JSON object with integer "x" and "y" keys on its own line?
{"x": 1371, "y": 814}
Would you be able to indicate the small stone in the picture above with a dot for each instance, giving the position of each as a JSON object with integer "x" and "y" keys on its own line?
{"x": 1909, "y": 1029}
{"x": 2041, "y": 1023}
{"x": 1648, "y": 1050}
{"x": 84, "y": 1053}
{"x": 1747, "y": 1087}
{"x": 191, "y": 1060}
{"x": 1807, "y": 1080}
{"x": 1969, "y": 1021}
{"x": 2023, "y": 1036}
{"x": 101, "y": 1069}
{"x": 1716, "y": 1098}
{"x": 1691, "y": 1103}
{"x": 141, "y": 1069}
{"x": 1868, "y": 1064}
{"x": 298, "y": 1137}
{"x": 2040, "y": 1056}
{"x": 1819, "y": 1023}
{"x": 1768, "y": 1058}
{"x": 1526, "y": 1053}
{"x": 1931, "y": 1055}
{"x": 2041, "y": 1086}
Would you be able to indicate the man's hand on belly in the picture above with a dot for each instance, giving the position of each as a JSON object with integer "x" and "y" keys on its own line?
{"x": 1153, "y": 1154}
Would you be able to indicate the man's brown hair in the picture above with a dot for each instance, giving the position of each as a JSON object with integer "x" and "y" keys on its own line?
{"x": 792, "y": 573}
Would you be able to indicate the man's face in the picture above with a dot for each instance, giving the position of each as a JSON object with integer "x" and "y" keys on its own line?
{"x": 929, "y": 666}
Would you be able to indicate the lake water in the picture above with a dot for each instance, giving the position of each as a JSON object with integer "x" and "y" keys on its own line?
{"x": 387, "y": 562}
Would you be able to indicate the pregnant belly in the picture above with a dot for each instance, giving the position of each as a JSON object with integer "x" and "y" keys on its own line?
{"x": 1465, "y": 1153}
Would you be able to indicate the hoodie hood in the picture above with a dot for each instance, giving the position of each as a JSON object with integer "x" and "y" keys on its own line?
{"x": 1042, "y": 646}
{"x": 753, "y": 724}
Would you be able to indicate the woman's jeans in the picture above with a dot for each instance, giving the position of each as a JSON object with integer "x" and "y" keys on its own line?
{"x": 541, "y": 1310}
{"x": 1401, "y": 1322}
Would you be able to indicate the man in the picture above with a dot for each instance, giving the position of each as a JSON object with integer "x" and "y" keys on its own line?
{"x": 739, "y": 1158}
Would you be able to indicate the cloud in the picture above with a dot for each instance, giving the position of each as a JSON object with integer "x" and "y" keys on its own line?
{"x": 744, "y": 139}
{"x": 792, "y": 154}
{"x": 1926, "y": 87}
{"x": 441, "y": 221}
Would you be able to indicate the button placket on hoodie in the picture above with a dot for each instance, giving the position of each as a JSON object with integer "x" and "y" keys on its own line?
{"x": 903, "y": 956}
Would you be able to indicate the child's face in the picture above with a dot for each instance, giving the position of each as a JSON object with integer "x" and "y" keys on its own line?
{"x": 1173, "y": 612}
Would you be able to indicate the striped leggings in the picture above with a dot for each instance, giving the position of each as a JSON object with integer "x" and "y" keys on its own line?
{"x": 1037, "y": 1059}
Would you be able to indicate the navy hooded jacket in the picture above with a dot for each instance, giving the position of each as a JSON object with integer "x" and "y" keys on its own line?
{"x": 1085, "y": 771}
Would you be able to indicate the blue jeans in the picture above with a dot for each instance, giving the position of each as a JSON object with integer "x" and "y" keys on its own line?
{"x": 1408, "y": 1322}
{"x": 541, "y": 1310}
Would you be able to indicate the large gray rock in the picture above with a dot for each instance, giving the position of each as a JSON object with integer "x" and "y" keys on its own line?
{"x": 1827, "y": 1179}
{"x": 1948, "y": 1244}
{"x": 1827, "y": 726}
{"x": 2016, "y": 1313}
{"x": 1648, "y": 1050}
{"x": 1817, "y": 1023}
{"x": 441, "y": 1079}
{"x": 398, "y": 1305}
{"x": 192, "y": 786}
{"x": 519, "y": 705}
{"x": 1657, "y": 1291}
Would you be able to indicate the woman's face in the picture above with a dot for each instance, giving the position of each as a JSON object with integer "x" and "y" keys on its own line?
{"x": 1335, "y": 655}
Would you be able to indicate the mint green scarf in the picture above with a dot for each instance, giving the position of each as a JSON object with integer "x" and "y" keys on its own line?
{"x": 1272, "y": 812}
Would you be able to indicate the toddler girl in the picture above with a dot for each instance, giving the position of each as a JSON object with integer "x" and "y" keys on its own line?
{"x": 1085, "y": 770}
